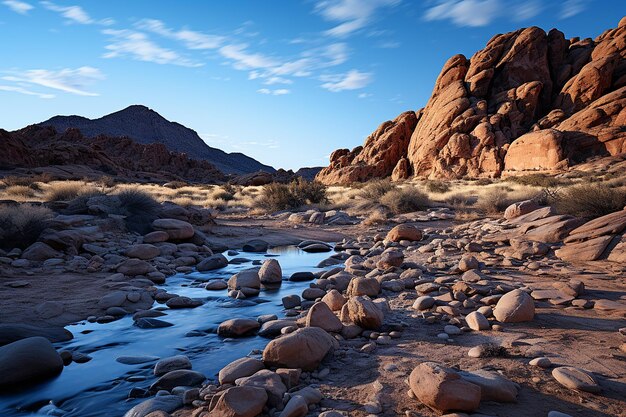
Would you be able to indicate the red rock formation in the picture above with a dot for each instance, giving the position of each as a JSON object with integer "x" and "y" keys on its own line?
{"x": 41, "y": 147}
{"x": 528, "y": 101}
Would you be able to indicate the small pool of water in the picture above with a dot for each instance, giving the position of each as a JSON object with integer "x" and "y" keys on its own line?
{"x": 100, "y": 387}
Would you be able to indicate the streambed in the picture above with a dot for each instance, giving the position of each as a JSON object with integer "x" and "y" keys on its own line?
{"x": 101, "y": 386}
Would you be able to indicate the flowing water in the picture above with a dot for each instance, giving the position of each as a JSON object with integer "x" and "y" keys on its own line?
{"x": 100, "y": 387}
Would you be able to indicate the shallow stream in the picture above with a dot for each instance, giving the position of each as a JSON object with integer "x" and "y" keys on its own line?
{"x": 100, "y": 387}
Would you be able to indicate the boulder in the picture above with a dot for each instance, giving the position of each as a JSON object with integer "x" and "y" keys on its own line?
{"x": 390, "y": 258}
{"x": 404, "y": 232}
{"x": 28, "y": 361}
{"x": 271, "y": 272}
{"x": 166, "y": 403}
{"x": 334, "y": 300}
{"x": 238, "y": 369}
{"x": 576, "y": 379}
{"x": 514, "y": 307}
{"x": 320, "y": 315}
{"x": 363, "y": 286}
{"x": 270, "y": 381}
{"x": 443, "y": 389}
{"x": 39, "y": 252}
{"x": 240, "y": 402}
{"x": 216, "y": 261}
{"x": 238, "y": 327}
{"x": 493, "y": 386}
{"x": 173, "y": 363}
{"x": 305, "y": 348}
{"x": 178, "y": 378}
{"x": 364, "y": 313}
{"x": 477, "y": 321}
{"x": 520, "y": 208}
{"x": 256, "y": 245}
{"x": 175, "y": 229}
{"x": 143, "y": 251}
{"x": 133, "y": 267}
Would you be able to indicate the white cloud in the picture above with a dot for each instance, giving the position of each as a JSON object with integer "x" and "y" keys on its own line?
{"x": 527, "y": 10}
{"x": 138, "y": 46}
{"x": 473, "y": 13}
{"x": 244, "y": 60}
{"x": 75, "y": 14}
{"x": 68, "y": 80}
{"x": 364, "y": 95}
{"x": 18, "y": 6}
{"x": 352, "y": 80}
{"x": 22, "y": 90}
{"x": 191, "y": 39}
{"x": 279, "y": 92}
{"x": 388, "y": 45}
{"x": 277, "y": 80}
{"x": 572, "y": 8}
{"x": 352, "y": 14}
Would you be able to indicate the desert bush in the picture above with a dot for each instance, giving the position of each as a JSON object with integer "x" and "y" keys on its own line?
{"x": 21, "y": 225}
{"x": 483, "y": 181}
{"x": 105, "y": 182}
{"x": 376, "y": 218}
{"x": 590, "y": 200}
{"x": 66, "y": 191}
{"x": 229, "y": 188}
{"x": 375, "y": 189}
{"x": 439, "y": 187}
{"x": 493, "y": 201}
{"x": 19, "y": 191}
{"x": 539, "y": 180}
{"x": 223, "y": 195}
{"x": 460, "y": 200}
{"x": 405, "y": 200}
{"x": 277, "y": 196}
{"x": 140, "y": 208}
{"x": 27, "y": 181}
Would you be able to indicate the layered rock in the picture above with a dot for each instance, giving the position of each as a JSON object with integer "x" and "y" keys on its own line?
{"x": 528, "y": 101}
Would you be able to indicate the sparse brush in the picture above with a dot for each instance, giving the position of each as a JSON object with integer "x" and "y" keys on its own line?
{"x": 376, "y": 218}
{"x": 223, "y": 195}
{"x": 141, "y": 209}
{"x": 277, "y": 197}
{"x": 405, "y": 200}
{"x": 21, "y": 225}
{"x": 229, "y": 188}
{"x": 439, "y": 187}
{"x": 19, "y": 191}
{"x": 494, "y": 201}
{"x": 66, "y": 191}
{"x": 310, "y": 192}
{"x": 375, "y": 189}
{"x": 590, "y": 200}
{"x": 460, "y": 200}
{"x": 105, "y": 182}
{"x": 175, "y": 184}
{"x": 539, "y": 180}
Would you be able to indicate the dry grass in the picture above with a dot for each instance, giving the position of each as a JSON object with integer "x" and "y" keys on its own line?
{"x": 590, "y": 200}
{"x": 21, "y": 225}
{"x": 405, "y": 200}
{"x": 67, "y": 190}
{"x": 19, "y": 192}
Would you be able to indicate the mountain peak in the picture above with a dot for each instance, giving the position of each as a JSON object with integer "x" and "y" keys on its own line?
{"x": 145, "y": 126}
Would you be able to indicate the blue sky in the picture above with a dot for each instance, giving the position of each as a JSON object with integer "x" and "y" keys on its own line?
{"x": 284, "y": 81}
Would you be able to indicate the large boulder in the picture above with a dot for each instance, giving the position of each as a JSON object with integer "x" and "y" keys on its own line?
{"x": 238, "y": 369}
{"x": 271, "y": 273}
{"x": 175, "y": 229}
{"x": 270, "y": 381}
{"x": 364, "y": 313}
{"x": 143, "y": 251}
{"x": 320, "y": 315}
{"x": 404, "y": 232}
{"x": 240, "y": 402}
{"x": 540, "y": 150}
{"x": 443, "y": 389}
{"x": 305, "y": 348}
{"x": 28, "y": 361}
{"x": 216, "y": 261}
{"x": 363, "y": 286}
{"x": 238, "y": 327}
{"x": 520, "y": 208}
{"x": 39, "y": 252}
{"x": 514, "y": 307}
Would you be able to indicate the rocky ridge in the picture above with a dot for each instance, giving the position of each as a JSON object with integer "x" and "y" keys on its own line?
{"x": 529, "y": 101}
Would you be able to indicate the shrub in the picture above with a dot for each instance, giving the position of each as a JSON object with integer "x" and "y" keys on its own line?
{"x": 439, "y": 187}
{"x": 539, "y": 180}
{"x": 78, "y": 205}
{"x": 223, "y": 195}
{"x": 310, "y": 192}
{"x": 26, "y": 181}
{"x": 229, "y": 188}
{"x": 494, "y": 201}
{"x": 19, "y": 191}
{"x": 483, "y": 181}
{"x": 590, "y": 200}
{"x": 140, "y": 208}
{"x": 375, "y": 218}
{"x": 277, "y": 196}
{"x": 21, "y": 225}
{"x": 460, "y": 200}
{"x": 66, "y": 191}
{"x": 106, "y": 182}
{"x": 374, "y": 190}
{"x": 405, "y": 200}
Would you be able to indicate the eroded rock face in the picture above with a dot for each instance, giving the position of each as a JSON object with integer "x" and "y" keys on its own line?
{"x": 528, "y": 101}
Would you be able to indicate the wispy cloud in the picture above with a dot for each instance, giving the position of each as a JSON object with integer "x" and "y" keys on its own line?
{"x": 244, "y": 60}
{"x": 352, "y": 15}
{"x": 18, "y": 6}
{"x": 138, "y": 46}
{"x": 465, "y": 12}
{"x": 352, "y": 80}
{"x": 25, "y": 91}
{"x": 75, "y": 14}
{"x": 278, "y": 92}
{"x": 571, "y": 8}
{"x": 477, "y": 13}
{"x": 190, "y": 38}
{"x": 73, "y": 81}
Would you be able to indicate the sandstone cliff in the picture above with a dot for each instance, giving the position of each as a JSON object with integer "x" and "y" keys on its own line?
{"x": 528, "y": 101}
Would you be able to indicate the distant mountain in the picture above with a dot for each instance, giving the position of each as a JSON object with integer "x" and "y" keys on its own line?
{"x": 147, "y": 126}
{"x": 308, "y": 173}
